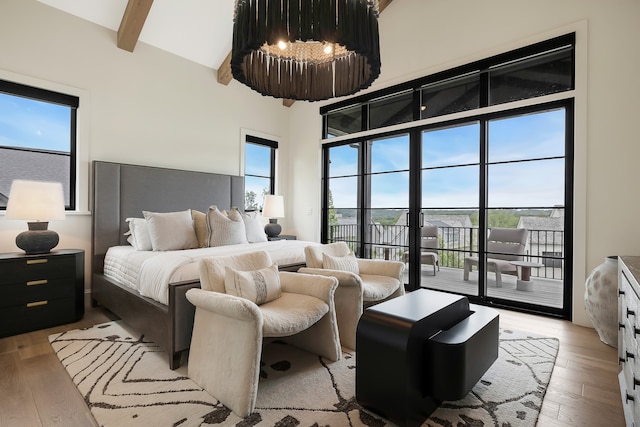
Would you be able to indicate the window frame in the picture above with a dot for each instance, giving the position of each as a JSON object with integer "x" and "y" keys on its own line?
{"x": 265, "y": 141}
{"x": 32, "y": 92}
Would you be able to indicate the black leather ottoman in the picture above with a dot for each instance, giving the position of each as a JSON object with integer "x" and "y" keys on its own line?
{"x": 418, "y": 350}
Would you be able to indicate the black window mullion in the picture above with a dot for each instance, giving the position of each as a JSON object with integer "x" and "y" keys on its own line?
{"x": 482, "y": 211}
{"x": 415, "y": 207}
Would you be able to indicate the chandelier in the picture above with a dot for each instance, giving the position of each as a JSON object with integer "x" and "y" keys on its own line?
{"x": 306, "y": 49}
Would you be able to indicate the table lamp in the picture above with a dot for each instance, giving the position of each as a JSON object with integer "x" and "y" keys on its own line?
{"x": 37, "y": 202}
{"x": 273, "y": 208}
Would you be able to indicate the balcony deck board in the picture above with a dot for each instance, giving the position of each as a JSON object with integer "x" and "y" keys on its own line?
{"x": 546, "y": 292}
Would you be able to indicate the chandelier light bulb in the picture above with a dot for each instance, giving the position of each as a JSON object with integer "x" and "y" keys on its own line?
{"x": 282, "y": 45}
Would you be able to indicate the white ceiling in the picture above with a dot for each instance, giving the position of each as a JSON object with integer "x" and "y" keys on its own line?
{"x": 198, "y": 30}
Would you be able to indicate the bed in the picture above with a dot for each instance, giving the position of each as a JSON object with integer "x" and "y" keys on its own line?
{"x": 122, "y": 191}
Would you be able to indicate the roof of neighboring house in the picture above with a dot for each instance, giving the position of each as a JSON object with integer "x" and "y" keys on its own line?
{"x": 32, "y": 164}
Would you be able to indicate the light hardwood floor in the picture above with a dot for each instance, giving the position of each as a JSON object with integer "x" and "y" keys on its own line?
{"x": 35, "y": 390}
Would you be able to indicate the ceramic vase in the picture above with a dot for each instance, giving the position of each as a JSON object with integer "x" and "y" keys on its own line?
{"x": 601, "y": 300}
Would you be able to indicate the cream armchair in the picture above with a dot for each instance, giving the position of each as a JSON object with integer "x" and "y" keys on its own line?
{"x": 376, "y": 281}
{"x": 228, "y": 330}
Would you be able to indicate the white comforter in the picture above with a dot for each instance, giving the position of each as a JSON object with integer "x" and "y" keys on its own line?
{"x": 150, "y": 273}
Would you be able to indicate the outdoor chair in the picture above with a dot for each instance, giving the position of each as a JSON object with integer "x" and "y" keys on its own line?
{"x": 428, "y": 246}
{"x": 503, "y": 246}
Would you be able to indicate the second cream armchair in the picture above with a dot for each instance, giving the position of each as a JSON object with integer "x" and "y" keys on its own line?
{"x": 361, "y": 283}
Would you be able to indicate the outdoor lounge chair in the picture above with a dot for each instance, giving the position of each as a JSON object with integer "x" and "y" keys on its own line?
{"x": 503, "y": 246}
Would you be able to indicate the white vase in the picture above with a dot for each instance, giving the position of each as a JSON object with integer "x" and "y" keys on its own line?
{"x": 601, "y": 300}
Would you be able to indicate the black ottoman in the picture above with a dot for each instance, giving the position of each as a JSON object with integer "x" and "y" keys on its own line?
{"x": 420, "y": 349}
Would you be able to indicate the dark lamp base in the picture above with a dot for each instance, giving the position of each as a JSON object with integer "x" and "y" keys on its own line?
{"x": 273, "y": 228}
{"x": 37, "y": 240}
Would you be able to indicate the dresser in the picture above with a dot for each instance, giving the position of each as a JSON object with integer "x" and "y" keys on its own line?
{"x": 629, "y": 336}
{"x": 40, "y": 291}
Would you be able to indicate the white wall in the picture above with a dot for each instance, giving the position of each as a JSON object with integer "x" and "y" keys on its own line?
{"x": 419, "y": 37}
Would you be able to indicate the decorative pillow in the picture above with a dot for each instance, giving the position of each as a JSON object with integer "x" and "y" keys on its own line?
{"x": 254, "y": 228}
{"x": 225, "y": 228}
{"x": 139, "y": 234}
{"x": 259, "y": 286}
{"x": 200, "y": 225}
{"x": 171, "y": 231}
{"x": 342, "y": 263}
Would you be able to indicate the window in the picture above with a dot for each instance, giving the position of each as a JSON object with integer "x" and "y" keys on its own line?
{"x": 37, "y": 138}
{"x": 505, "y": 167}
{"x": 533, "y": 71}
{"x": 259, "y": 170}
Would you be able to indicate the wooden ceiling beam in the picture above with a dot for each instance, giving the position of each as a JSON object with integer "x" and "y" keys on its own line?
{"x": 224, "y": 71}
{"x": 132, "y": 22}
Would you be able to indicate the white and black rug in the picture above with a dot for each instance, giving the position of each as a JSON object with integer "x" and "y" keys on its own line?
{"x": 126, "y": 381}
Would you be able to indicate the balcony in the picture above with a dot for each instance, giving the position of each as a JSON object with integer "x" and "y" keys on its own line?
{"x": 545, "y": 247}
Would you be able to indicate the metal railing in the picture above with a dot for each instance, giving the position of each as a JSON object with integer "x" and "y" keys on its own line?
{"x": 454, "y": 245}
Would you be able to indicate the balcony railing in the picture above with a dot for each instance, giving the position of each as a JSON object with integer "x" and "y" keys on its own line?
{"x": 454, "y": 245}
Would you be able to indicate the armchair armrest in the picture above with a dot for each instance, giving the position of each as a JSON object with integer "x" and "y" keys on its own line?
{"x": 380, "y": 267}
{"x": 322, "y": 287}
{"x": 225, "y": 305}
{"x": 345, "y": 278}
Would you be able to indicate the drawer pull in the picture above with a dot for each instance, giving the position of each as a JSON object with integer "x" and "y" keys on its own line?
{"x": 635, "y": 382}
{"x": 629, "y": 398}
{"x": 630, "y": 356}
{"x": 37, "y": 282}
{"x": 621, "y": 359}
{"x": 37, "y": 303}
{"x": 621, "y": 326}
{"x": 630, "y": 313}
{"x": 37, "y": 261}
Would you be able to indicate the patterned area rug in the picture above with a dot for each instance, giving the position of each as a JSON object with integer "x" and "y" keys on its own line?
{"x": 126, "y": 381}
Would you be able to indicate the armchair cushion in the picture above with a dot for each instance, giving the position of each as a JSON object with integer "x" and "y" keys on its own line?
{"x": 377, "y": 287}
{"x": 291, "y": 313}
{"x": 313, "y": 254}
{"x": 258, "y": 286}
{"x": 343, "y": 263}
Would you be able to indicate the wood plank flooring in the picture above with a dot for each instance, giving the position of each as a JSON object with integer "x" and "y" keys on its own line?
{"x": 35, "y": 390}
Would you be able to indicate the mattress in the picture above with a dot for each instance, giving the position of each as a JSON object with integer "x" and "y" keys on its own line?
{"x": 150, "y": 273}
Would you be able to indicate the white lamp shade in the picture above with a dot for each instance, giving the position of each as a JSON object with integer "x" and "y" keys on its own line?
{"x": 35, "y": 201}
{"x": 273, "y": 206}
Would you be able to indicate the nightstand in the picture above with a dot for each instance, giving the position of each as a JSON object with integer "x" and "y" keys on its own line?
{"x": 40, "y": 291}
{"x": 282, "y": 237}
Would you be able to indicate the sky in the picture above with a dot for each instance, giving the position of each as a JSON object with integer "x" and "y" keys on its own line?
{"x": 33, "y": 124}
{"x": 257, "y": 162}
{"x": 450, "y": 170}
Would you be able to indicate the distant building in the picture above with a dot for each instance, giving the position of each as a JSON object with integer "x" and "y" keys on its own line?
{"x": 35, "y": 165}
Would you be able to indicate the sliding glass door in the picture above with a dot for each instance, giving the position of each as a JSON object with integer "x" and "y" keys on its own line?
{"x": 477, "y": 207}
{"x": 449, "y": 200}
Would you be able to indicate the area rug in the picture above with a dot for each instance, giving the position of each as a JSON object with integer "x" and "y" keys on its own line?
{"x": 126, "y": 381}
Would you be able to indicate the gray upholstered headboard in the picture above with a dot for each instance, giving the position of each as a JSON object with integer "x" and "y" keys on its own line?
{"x": 121, "y": 191}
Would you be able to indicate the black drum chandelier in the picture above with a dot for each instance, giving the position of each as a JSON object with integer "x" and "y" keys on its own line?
{"x": 306, "y": 49}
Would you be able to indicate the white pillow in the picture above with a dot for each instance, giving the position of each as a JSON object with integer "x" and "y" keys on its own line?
{"x": 200, "y": 225}
{"x": 171, "y": 231}
{"x": 259, "y": 286}
{"x": 139, "y": 234}
{"x": 225, "y": 228}
{"x": 254, "y": 228}
{"x": 343, "y": 263}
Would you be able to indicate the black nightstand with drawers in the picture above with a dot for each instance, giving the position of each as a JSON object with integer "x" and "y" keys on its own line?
{"x": 40, "y": 291}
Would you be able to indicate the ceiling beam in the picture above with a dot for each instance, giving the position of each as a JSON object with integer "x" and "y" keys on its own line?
{"x": 132, "y": 22}
{"x": 224, "y": 71}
